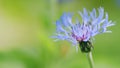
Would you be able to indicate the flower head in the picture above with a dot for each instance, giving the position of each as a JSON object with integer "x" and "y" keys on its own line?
{"x": 82, "y": 32}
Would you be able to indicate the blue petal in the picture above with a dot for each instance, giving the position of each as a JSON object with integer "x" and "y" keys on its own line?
{"x": 93, "y": 14}
{"x": 84, "y": 16}
{"x": 66, "y": 19}
{"x": 85, "y": 12}
{"x": 101, "y": 13}
{"x": 59, "y": 27}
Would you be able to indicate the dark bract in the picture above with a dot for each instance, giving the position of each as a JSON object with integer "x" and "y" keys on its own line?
{"x": 85, "y": 46}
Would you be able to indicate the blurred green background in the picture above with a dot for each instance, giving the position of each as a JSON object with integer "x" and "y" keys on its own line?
{"x": 26, "y": 27}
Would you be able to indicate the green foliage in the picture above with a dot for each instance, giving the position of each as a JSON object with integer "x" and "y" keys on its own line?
{"x": 38, "y": 50}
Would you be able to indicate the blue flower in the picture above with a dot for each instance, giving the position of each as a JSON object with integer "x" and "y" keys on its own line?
{"x": 82, "y": 32}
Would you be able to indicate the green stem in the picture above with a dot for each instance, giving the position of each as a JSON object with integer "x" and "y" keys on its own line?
{"x": 90, "y": 59}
